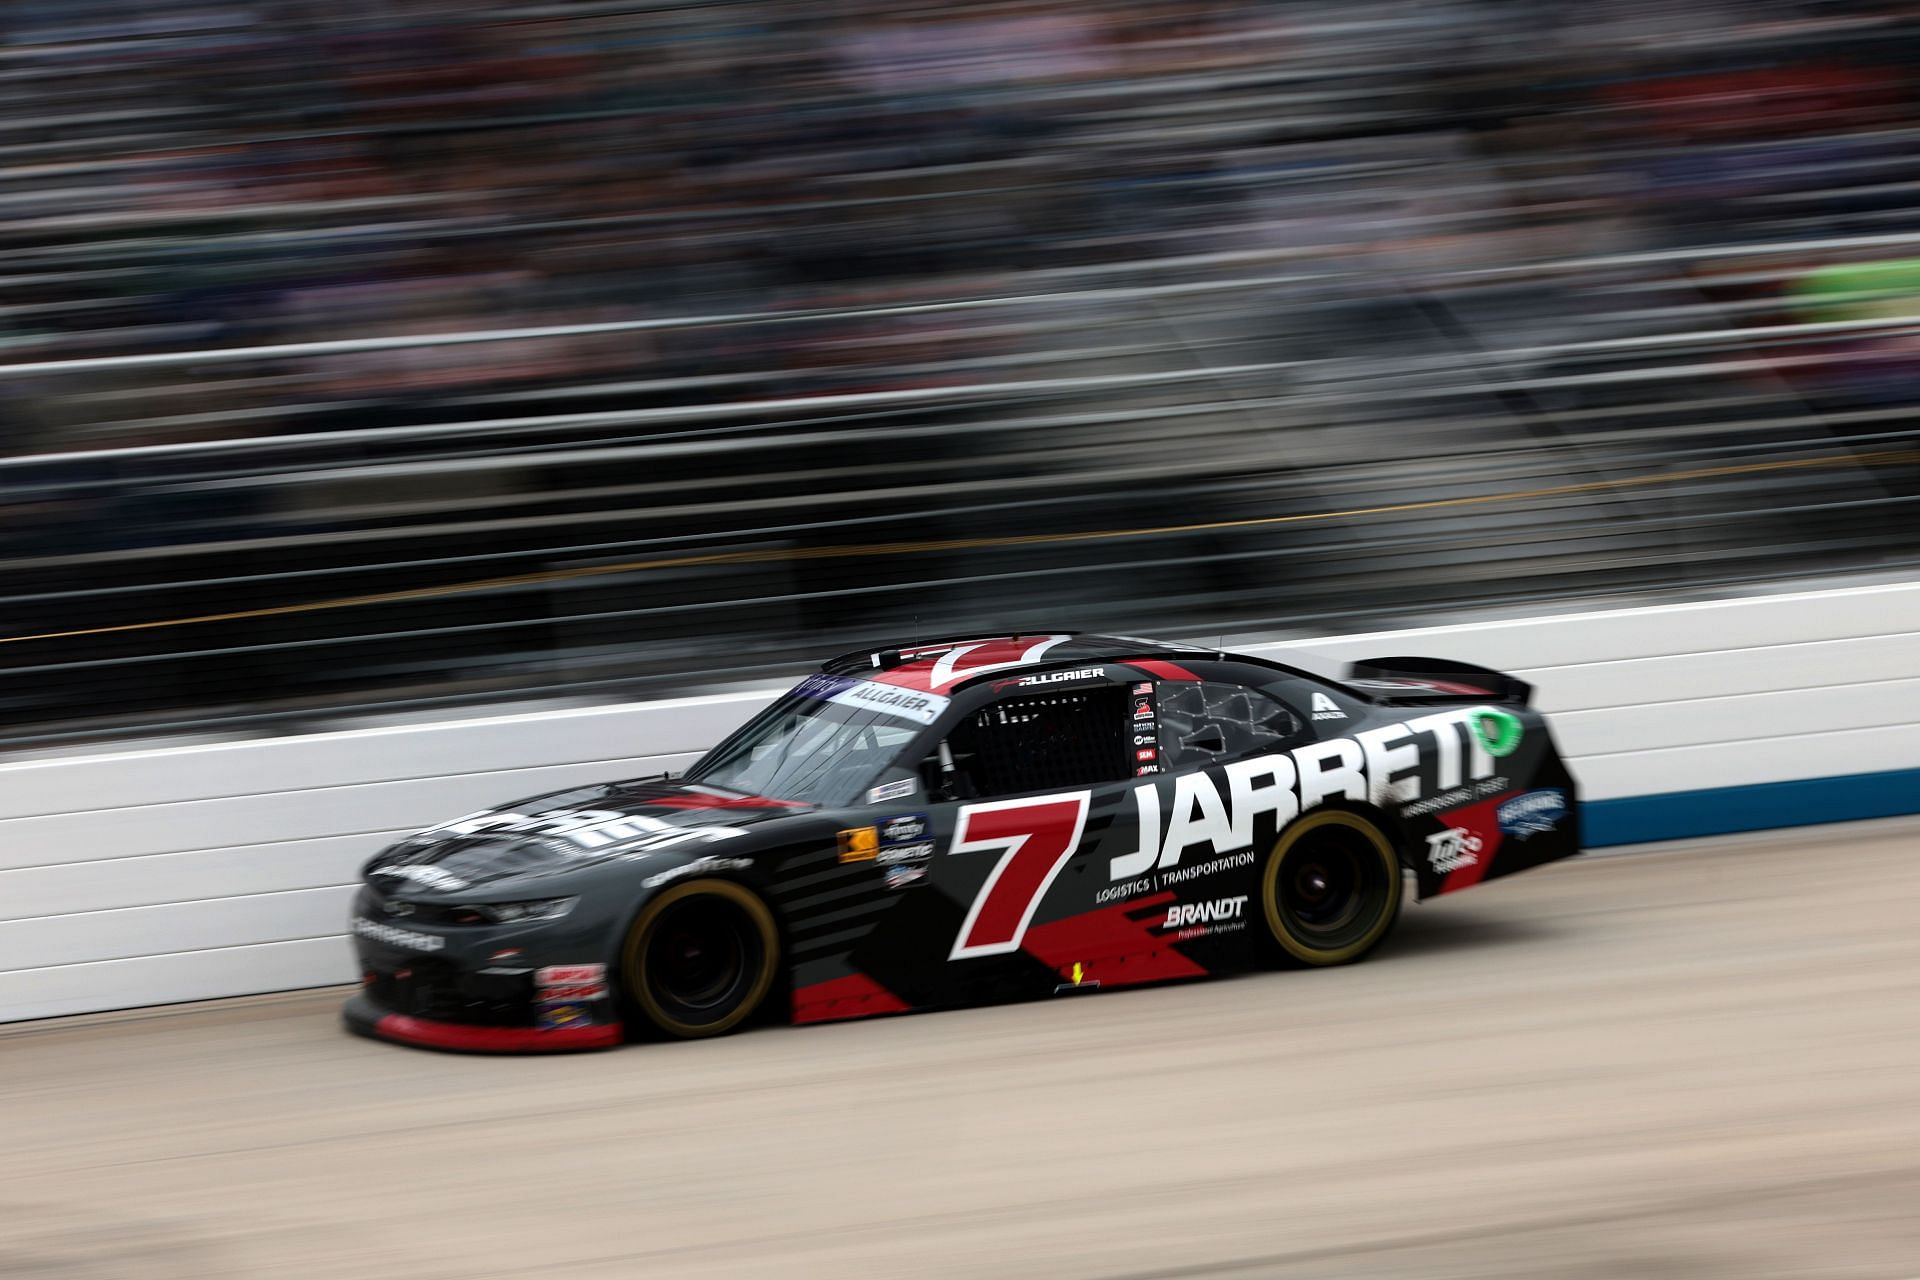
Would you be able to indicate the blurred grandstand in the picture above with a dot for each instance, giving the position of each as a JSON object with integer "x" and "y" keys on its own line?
{"x": 375, "y": 356}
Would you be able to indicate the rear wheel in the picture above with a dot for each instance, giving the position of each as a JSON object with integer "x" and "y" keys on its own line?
{"x": 699, "y": 959}
{"x": 1330, "y": 889}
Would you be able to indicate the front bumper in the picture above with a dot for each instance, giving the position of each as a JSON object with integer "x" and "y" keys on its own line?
{"x": 363, "y": 1017}
{"x": 522, "y": 988}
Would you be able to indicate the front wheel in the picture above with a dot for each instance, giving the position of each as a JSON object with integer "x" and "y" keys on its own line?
{"x": 1330, "y": 890}
{"x": 699, "y": 959}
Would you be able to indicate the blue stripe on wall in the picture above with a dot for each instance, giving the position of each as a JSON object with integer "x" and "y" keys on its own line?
{"x": 1717, "y": 810}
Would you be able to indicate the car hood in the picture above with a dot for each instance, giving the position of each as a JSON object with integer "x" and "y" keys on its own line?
{"x": 566, "y": 831}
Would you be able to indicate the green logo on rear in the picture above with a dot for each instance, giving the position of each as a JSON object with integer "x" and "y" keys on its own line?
{"x": 1499, "y": 731}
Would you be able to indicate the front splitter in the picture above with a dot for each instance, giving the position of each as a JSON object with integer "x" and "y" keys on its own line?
{"x": 363, "y": 1017}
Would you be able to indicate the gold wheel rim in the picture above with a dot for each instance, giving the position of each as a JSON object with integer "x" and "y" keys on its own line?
{"x": 1270, "y": 891}
{"x": 633, "y": 955}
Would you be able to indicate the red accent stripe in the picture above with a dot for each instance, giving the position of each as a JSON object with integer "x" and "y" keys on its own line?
{"x": 854, "y": 996}
{"x": 452, "y": 1035}
{"x": 1454, "y": 686}
{"x": 1164, "y": 670}
{"x": 979, "y": 657}
{"x": 1482, "y": 820}
{"x": 1119, "y": 944}
{"x": 1470, "y": 875}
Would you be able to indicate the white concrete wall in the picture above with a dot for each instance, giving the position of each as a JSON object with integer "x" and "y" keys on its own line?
{"x": 1686, "y": 697}
{"x": 155, "y": 876}
{"x": 194, "y": 872}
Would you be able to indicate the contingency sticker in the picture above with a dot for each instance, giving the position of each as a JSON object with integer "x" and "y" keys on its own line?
{"x": 1144, "y": 726}
{"x": 1532, "y": 813}
{"x": 904, "y": 838}
{"x": 567, "y": 995}
{"x": 859, "y": 844}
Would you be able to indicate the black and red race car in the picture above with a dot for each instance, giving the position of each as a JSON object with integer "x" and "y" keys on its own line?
{"x": 961, "y": 821}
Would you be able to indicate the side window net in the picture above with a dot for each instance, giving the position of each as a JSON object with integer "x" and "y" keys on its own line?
{"x": 1047, "y": 740}
{"x": 1205, "y": 723}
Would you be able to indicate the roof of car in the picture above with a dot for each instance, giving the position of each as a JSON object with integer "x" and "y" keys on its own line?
{"x": 942, "y": 665}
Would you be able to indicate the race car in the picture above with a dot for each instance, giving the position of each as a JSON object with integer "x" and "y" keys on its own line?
{"x": 961, "y": 821}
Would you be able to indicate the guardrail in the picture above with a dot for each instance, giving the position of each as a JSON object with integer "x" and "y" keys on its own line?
{"x": 146, "y": 877}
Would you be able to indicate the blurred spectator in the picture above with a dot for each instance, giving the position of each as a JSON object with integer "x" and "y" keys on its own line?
{"x": 1303, "y": 295}
{"x": 286, "y": 171}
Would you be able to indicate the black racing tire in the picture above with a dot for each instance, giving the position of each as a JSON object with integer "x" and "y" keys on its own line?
{"x": 1330, "y": 890}
{"x": 698, "y": 960}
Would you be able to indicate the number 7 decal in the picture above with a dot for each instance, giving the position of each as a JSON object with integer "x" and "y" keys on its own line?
{"x": 1034, "y": 837}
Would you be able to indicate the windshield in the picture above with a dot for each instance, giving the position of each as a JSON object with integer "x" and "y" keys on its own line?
{"x": 821, "y": 743}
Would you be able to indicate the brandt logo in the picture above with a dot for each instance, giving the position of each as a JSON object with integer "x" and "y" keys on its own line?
{"x": 1183, "y": 915}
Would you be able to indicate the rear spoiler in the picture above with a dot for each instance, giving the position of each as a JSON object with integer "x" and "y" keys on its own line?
{"x": 1403, "y": 681}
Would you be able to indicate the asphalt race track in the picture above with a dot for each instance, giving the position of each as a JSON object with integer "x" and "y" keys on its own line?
{"x": 1702, "y": 1062}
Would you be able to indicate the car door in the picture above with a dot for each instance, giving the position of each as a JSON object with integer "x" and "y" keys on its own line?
{"x": 1201, "y": 827}
{"x": 1030, "y": 787}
